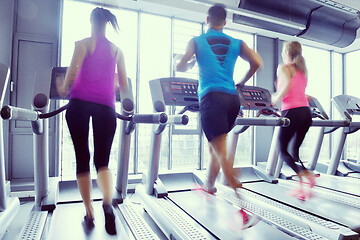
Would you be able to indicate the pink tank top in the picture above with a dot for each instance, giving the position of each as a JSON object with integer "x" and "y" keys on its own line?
{"x": 95, "y": 79}
{"x": 296, "y": 96}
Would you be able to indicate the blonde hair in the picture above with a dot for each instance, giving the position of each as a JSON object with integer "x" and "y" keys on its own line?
{"x": 294, "y": 51}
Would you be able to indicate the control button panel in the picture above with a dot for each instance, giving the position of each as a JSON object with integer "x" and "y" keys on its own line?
{"x": 183, "y": 88}
{"x": 254, "y": 98}
{"x": 252, "y": 94}
{"x": 347, "y": 103}
{"x": 175, "y": 91}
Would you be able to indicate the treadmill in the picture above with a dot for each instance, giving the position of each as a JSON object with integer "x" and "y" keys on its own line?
{"x": 348, "y": 106}
{"x": 182, "y": 209}
{"x": 8, "y": 205}
{"x": 334, "y": 215}
{"x": 50, "y": 217}
{"x": 326, "y": 126}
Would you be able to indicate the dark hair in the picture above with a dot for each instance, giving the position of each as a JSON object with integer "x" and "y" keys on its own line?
{"x": 101, "y": 16}
{"x": 217, "y": 14}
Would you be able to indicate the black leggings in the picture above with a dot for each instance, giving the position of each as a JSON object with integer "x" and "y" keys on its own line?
{"x": 78, "y": 116}
{"x": 300, "y": 121}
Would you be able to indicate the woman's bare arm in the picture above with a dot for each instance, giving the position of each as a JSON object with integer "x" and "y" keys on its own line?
{"x": 71, "y": 73}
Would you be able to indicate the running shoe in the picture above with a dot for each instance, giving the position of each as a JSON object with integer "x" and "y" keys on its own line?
{"x": 208, "y": 187}
{"x": 110, "y": 225}
{"x": 309, "y": 195}
{"x": 248, "y": 220}
{"x": 88, "y": 224}
{"x": 312, "y": 181}
{"x": 299, "y": 193}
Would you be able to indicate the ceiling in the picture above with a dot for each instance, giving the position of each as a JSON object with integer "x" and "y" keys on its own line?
{"x": 351, "y": 3}
{"x": 185, "y": 8}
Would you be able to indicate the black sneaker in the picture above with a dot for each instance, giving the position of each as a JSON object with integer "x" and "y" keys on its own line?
{"x": 88, "y": 224}
{"x": 110, "y": 225}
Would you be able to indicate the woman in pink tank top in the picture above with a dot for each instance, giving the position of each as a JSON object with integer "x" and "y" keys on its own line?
{"x": 292, "y": 81}
{"x": 90, "y": 83}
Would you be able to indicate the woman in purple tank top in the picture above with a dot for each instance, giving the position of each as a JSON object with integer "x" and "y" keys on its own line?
{"x": 292, "y": 81}
{"x": 89, "y": 81}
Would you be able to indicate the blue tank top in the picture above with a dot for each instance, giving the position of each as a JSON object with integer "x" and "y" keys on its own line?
{"x": 216, "y": 54}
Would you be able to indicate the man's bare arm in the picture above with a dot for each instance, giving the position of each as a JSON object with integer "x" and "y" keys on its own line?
{"x": 188, "y": 59}
{"x": 253, "y": 58}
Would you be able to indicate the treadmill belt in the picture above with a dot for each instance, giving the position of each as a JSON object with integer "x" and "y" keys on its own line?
{"x": 341, "y": 184}
{"x": 222, "y": 219}
{"x": 355, "y": 175}
{"x": 66, "y": 223}
{"x": 323, "y": 207}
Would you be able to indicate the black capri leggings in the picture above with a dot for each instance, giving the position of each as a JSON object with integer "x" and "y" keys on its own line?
{"x": 300, "y": 122}
{"x": 104, "y": 125}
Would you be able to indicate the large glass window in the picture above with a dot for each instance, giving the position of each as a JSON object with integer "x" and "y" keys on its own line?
{"x": 352, "y": 88}
{"x": 243, "y": 154}
{"x": 76, "y": 26}
{"x": 185, "y": 144}
{"x": 337, "y": 89}
{"x": 319, "y": 86}
{"x": 155, "y": 62}
{"x": 181, "y": 145}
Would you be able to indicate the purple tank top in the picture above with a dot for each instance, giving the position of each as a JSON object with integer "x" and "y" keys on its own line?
{"x": 95, "y": 79}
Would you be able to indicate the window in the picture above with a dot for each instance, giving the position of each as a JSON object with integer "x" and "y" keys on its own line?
{"x": 185, "y": 140}
{"x": 337, "y": 89}
{"x": 76, "y": 26}
{"x": 155, "y": 61}
{"x": 352, "y": 88}
{"x": 318, "y": 65}
{"x": 147, "y": 57}
{"x": 243, "y": 150}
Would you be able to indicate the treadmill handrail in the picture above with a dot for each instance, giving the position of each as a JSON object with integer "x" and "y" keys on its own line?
{"x": 17, "y": 113}
{"x": 53, "y": 113}
{"x": 178, "y": 119}
{"x": 330, "y": 123}
{"x": 263, "y": 121}
{"x": 23, "y": 114}
{"x": 152, "y": 118}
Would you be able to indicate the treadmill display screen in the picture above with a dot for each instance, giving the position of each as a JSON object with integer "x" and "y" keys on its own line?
{"x": 57, "y": 77}
{"x": 182, "y": 88}
{"x": 254, "y": 95}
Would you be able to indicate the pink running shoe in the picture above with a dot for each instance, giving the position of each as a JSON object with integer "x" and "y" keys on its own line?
{"x": 312, "y": 181}
{"x": 299, "y": 193}
{"x": 208, "y": 187}
{"x": 248, "y": 220}
{"x": 309, "y": 195}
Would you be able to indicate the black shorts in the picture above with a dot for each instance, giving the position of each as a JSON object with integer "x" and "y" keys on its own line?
{"x": 218, "y": 112}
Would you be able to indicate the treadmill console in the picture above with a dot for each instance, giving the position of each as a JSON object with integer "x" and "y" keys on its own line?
{"x": 175, "y": 91}
{"x": 316, "y": 109}
{"x": 347, "y": 105}
{"x": 254, "y": 98}
{"x": 57, "y": 75}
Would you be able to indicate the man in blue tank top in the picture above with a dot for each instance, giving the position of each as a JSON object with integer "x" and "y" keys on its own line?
{"x": 216, "y": 54}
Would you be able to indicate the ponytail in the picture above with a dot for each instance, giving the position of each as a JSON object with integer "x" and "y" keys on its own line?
{"x": 299, "y": 62}
{"x": 112, "y": 20}
{"x": 101, "y": 15}
{"x": 294, "y": 51}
